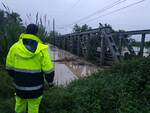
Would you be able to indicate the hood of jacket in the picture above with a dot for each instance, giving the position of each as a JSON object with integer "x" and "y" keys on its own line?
{"x": 22, "y": 51}
{"x": 30, "y": 36}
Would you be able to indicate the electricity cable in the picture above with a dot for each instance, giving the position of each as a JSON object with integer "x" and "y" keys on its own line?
{"x": 98, "y": 12}
{"x": 75, "y": 4}
{"x": 114, "y": 11}
{"x": 103, "y": 9}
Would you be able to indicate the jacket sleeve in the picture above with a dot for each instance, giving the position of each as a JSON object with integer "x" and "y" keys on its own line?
{"x": 10, "y": 62}
{"x": 47, "y": 66}
{"x": 50, "y": 77}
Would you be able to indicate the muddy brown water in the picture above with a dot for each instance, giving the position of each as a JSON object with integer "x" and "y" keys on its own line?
{"x": 69, "y": 67}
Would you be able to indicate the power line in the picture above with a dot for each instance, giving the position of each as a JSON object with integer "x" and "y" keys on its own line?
{"x": 75, "y": 4}
{"x": 99, "y": 11}
{"x": 103, "y": 9}
{"x": 114, "y": 11}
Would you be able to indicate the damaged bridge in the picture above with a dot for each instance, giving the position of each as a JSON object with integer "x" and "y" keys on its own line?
{"x": 102, "y": 46}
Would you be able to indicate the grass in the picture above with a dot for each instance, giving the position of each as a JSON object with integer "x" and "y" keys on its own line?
{"x": 6, "y": 93}
{"x": 125, "y": 88}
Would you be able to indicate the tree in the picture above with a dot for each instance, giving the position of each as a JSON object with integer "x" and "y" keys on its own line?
{"x": 76, "y": 28}
{"x": 83, "y": 28}
{"x": 10, "y": 28}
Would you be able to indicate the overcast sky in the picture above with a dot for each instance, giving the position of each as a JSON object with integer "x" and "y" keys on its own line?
{"x": 67, "y": 12}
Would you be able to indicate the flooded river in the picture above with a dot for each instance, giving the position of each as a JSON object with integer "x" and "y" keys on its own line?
{"x": 146, "y": 51}
{"x": 68, "y": 66}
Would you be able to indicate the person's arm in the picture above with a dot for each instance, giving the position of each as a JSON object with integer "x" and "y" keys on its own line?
{"x": 50, "y": 78}
{"x": 10, "y": 63}
{"x": 47, "y": 67}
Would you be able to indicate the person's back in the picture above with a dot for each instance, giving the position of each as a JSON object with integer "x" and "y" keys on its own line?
{"x": 26, "y": 62}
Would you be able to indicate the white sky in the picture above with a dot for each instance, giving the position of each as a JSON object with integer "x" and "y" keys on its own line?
{"x": 69, "y": 11}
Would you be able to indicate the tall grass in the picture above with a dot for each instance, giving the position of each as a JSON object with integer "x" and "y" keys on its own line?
{"x": 11, "y": 26}
{"x": 45, "y": 32}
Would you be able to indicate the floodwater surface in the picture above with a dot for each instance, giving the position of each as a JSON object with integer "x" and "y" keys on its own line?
{"x": 69, "y": 67}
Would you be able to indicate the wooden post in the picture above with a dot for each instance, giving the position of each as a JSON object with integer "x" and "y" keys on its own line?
{"x": 78, "y": 45}
{"x": 85, "y": 46}
{"x": 88, "y": 45}
{"x": 120, "y": 43}
{"x": 65, "y": 43}
{"x": 68, "y": 43}
{"x": 102, "y": 51}
{"x": 142, "y": 45}
{"x": 71, "y": 44}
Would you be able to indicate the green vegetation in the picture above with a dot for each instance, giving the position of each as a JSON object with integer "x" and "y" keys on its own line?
{"x": 125, "y": 88}
{"x": 6, "y": 93}
{"x": 83, "y": 28}
{"x": 138, "y": 44}
{"x": 10, "y": 28}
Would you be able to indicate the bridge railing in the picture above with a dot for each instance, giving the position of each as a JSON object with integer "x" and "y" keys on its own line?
{"x": 101, "y": 46}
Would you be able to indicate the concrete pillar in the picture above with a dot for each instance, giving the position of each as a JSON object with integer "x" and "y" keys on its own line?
{"x": 142, "y": 45}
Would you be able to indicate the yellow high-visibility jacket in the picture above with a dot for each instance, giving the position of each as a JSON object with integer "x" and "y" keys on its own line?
{"x": 27, "y": 67}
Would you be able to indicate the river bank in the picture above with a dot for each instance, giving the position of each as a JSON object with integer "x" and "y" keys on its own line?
{"x": 124, "y": 88}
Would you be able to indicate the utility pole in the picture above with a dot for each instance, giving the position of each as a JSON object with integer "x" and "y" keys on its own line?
{"x": 54, "y": 51}
{"x": 54, "y": 31}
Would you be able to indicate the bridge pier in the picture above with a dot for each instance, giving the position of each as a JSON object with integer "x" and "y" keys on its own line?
{"x": 142, "y": 45}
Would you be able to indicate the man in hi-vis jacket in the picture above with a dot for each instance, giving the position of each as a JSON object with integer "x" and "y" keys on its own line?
{"x": 28, "y": 63}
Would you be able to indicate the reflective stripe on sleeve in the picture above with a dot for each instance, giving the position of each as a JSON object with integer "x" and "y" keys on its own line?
{"x": 23, "y": 70}
{"x": 28, "y": 88}
{"x": 9, "y": 68}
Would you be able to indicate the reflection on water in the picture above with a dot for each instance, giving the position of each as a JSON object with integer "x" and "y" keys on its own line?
{"x": 146, "y": 51}
{"x": 68, "y": 66}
